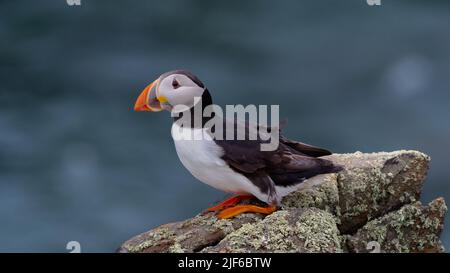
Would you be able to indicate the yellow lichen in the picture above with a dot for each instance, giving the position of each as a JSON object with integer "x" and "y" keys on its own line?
{"x": 319, "y": 231}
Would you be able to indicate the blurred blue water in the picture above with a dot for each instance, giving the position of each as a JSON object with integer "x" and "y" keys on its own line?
{"x": 77, "y": 164}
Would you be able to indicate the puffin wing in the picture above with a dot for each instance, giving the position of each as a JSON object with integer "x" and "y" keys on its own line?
{"x": 243, "y": 155}
{"x": 246, "y": 155}
{"x": 301, "y": 147}
{"x": 291, "y": 163}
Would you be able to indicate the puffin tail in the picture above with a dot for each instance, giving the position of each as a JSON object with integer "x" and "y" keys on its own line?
{"x": 328, "y": 166}
{"x": 323, "y": 166}
{"x": 304, "y": 148}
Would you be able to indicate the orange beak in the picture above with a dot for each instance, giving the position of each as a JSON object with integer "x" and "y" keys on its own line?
{"x": 147, "y": 100}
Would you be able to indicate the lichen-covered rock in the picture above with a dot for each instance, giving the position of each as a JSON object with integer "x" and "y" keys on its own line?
{"x": 191, "y": 235}
{"x": 323, "y": 196}
{"x": 372, "y": 202}
{"x": 294, "y": 230}
{"x": 376, "y": 183}
{"x": 413, "y": 228}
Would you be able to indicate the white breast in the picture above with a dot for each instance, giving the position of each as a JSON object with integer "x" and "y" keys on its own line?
{"x": 202, "y": 157}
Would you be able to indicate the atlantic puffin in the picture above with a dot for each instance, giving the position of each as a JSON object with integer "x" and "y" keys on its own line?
{"x": 234, "y": 166}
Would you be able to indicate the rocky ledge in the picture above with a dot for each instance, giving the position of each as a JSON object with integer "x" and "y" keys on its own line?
{"x": 371, "y": 206}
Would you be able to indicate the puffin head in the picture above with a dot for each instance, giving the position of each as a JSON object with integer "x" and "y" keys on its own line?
{"x": 170, "y": 90}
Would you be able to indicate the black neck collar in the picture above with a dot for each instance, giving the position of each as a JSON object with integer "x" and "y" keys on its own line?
{"x": 206, "y": 100}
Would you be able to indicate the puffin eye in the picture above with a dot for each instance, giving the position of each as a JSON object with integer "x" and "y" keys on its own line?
{"x": 175, "y": 84}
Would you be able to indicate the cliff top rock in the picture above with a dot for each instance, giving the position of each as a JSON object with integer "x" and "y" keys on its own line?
{"x": 371, "y": 206}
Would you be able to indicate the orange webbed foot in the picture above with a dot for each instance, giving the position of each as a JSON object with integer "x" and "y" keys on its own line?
{"x": 236, "y": 210}
{"x": 229, "y": 202}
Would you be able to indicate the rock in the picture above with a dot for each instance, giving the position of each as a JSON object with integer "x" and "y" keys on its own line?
{"x": 294, "y": 230}
{"x": 413, "y": 228}
{"x": 371, "y": 205}
{"x": 374, "y": 184}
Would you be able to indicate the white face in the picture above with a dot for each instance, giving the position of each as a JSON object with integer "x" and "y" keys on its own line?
{"x": 178, "y": 90}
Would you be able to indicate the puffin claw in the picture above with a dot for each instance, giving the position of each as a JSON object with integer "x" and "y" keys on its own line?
{"x": 228, "y": 203}
{"x": 236, "y": 210}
